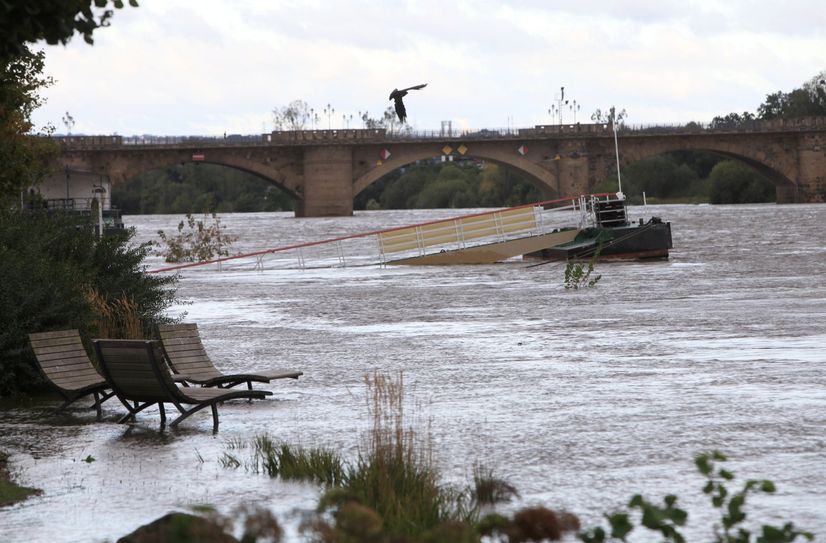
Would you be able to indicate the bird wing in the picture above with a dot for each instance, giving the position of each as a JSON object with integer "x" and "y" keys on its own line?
{"x": 417, "y": 87}
{"x": 400, "y": 111}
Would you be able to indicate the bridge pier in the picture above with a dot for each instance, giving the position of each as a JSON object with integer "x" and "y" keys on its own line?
{"x": 328, "y": 182}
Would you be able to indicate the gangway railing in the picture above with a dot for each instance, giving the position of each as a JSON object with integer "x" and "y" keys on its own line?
{"x": 381, "y": 247}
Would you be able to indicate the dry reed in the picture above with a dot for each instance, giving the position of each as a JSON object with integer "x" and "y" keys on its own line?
{"x": 116, "y": 319}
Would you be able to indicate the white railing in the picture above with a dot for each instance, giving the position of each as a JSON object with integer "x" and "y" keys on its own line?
{"x": 381, "y": 247}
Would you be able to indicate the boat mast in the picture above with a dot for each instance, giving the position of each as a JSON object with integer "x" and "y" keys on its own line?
{"x": 616, "y": 149}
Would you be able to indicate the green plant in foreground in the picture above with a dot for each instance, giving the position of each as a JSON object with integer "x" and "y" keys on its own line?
{"x": 291, "y": 463}
{"x": 667, "y": 518}
{"x": 489, "y": 489}
{"x": 577, "y": 276}
{"x": 392, "y": 492}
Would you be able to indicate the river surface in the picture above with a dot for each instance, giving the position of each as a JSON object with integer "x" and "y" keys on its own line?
{"x": 580, "y": 399}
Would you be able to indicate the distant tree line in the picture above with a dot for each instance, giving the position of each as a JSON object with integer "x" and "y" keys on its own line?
{"x": 433, "y": 184}
{"x": 691, "y": 177}
{"x": 807, "y": 101}
{"x": 198, "y": 188}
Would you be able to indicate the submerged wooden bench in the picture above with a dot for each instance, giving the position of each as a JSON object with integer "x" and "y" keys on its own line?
{"x": 64, "y": 363}
{"x": 189, "y": 360}
{"x": 139, "y": 377}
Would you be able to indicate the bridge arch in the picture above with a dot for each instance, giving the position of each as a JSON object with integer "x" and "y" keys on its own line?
{"x": 137, "y": 169}
{"x": 759, "y": 159}
{"x": 544, "y": 179}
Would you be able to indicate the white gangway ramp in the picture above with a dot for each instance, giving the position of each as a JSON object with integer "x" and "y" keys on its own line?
{"x": 477, "y": 238}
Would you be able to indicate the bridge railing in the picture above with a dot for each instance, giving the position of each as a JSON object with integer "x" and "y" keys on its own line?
{"x": 299, "y": 137}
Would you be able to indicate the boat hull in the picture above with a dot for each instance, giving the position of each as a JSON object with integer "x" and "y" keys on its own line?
{"x": 649, "y": 241}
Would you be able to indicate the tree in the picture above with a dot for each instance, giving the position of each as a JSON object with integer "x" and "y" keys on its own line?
{"x": 55, "y": 271}
{"x": 608, "y": 116}
{"x": 732, "y": 121}
{"x": 293, "y": 116}
{"x": 807, "y": 101}
{"x": 735, "y": 183}
{"x": 388, "y": 120}
{"x": 69, "y": 122}
{"x": 24, "y": 158}
{"x": 56, "y": 21}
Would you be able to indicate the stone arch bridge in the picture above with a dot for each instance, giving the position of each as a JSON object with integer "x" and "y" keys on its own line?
{"x": 324, "y": 170}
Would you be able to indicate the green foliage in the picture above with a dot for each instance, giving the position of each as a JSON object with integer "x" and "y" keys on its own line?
{"x": 666, "y": 519}
{"x": 197, "y": 188}
{"x": 449, "y": 185}
{"x": 281, "y": 460}
{"x": 731, "y": 504}
{"x": 670, "y": 176}
{"x": 488, "y": 489}
{"x": 50, "y": 261}
{"x": 55, "y": 21}
{"x": 807, "y": 101}
{"x": 578, "y": 276}
{"x": 25, "y": 157}
{"x": 734, "y": 183}
{"x": 199, "y": 243}
{"x": 732, "y": 121}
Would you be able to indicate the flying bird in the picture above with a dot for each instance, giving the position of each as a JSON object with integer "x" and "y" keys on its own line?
{"x": 397, "y": 96}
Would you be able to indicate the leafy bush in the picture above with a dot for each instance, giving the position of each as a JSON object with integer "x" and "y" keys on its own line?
{"x": 51, "y": 263}
{"x": 668, "y": 518}
{"x": 578, "y": 276}
{"x": 735, "y": 183}
{"x": 199, "y": 243}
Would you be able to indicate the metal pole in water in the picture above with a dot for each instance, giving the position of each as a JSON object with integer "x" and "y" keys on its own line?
{"x": 616, "y": 149}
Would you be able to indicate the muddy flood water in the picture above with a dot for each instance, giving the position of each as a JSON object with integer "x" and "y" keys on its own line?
{"x": 580, "y": 399}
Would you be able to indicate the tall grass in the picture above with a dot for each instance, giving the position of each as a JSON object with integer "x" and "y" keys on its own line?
{"x": 291, "y": 463}
{"x": 119, "y": 318}
{"x": 395, "y": 474}
{"x": 392, "y": 491}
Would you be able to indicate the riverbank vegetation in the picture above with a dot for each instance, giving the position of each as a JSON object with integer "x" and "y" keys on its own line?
{"x": 393, "y": 492}
{"x": 56, "y": 273}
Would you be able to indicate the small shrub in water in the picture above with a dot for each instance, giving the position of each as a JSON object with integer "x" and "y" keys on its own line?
{"x": 489, "y": 489}
{"x": 577, "y": 276}
{"x": 200, "y": 242}
{"x": 229, "y": 461}
{"x": 315, "y": 465}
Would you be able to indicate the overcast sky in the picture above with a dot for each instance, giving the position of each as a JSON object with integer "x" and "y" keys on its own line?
{"x": 214, "y": 66}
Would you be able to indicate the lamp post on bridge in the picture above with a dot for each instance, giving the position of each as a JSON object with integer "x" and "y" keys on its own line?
{"x": 574, "y": 107}
{"x": 560, "y": 102}
{"x": 552, "y": 112}
{"x": 345, "y": 119}
{"x": 329, "y": 110}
